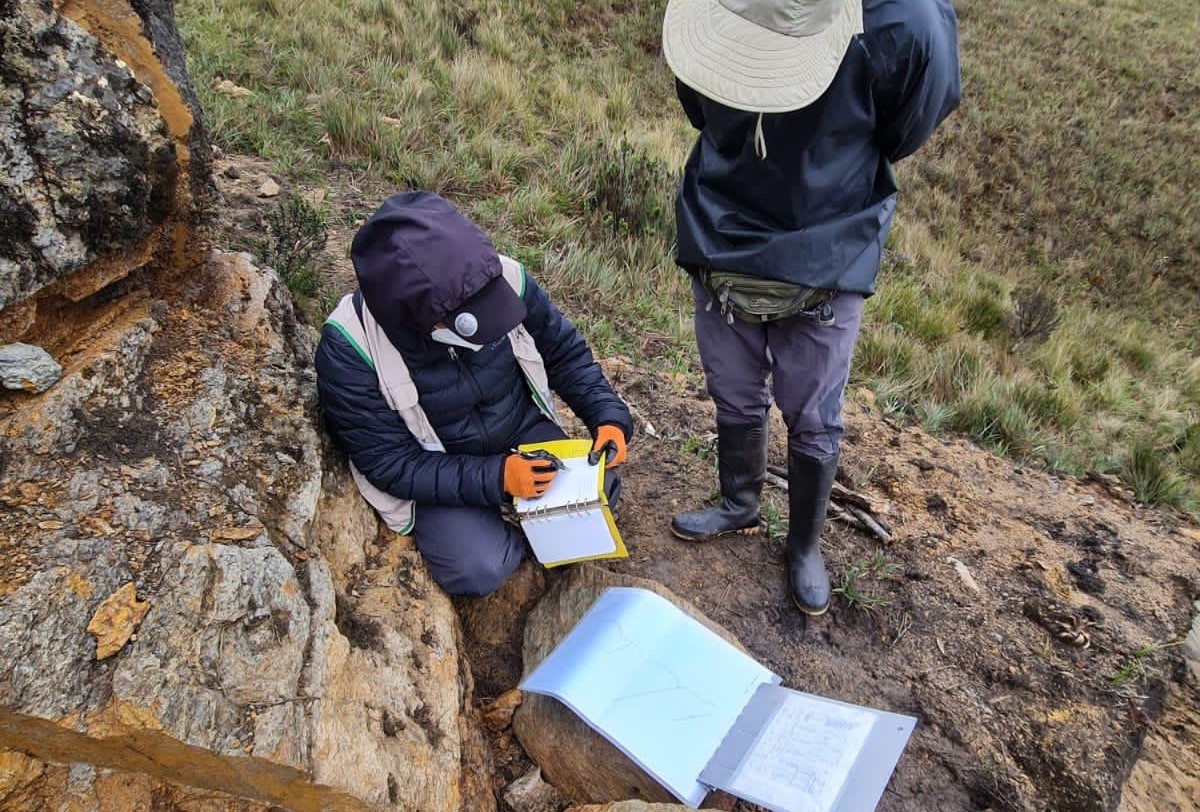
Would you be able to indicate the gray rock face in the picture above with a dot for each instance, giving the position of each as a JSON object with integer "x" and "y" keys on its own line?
{"x": 530, "y": 793}
{"x": 290, "y": 654}
{"x": 89, "y": 167}
{"x": 27, "y": 368}
{"x": 101, "y": 152}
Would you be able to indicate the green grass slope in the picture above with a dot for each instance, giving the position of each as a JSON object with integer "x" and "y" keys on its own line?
{"x": 1041, "y": 287}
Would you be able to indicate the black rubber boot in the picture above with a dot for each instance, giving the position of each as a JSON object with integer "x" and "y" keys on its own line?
{"x": 809, "y": 484}
{"x": 741, "y": 467}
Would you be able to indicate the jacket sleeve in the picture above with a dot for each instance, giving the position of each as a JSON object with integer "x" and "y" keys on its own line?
{"x": 573, "y": 373}
{"x": 690, "y": 100}
{"x": 917, "y": 73}
{"x": 361, "y": 423}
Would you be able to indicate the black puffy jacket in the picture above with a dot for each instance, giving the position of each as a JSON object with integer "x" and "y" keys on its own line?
{"x": 814, "y": 205}
{"x": 478, "y": 403}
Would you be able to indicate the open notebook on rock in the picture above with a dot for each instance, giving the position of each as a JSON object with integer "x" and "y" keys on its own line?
{"x": 697, "y": 713}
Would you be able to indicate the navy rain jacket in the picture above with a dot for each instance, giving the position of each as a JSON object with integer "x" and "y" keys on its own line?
{"x": 478, "y": 403}
{"x": 816, "y": 211}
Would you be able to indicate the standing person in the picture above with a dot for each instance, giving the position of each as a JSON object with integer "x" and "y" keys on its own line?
{"x": 435, "y": 369}
{"x": 782, "y": 214}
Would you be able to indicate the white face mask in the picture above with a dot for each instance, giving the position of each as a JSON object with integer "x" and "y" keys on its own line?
{"x": 444, "y": 335}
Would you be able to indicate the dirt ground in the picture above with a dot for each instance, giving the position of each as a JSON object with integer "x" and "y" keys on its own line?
{"x": 1029, "y": 622}
{"x": 956, "y": 620}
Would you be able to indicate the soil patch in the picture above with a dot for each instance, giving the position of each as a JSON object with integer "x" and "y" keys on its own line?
{"x": 1014, "y": 673}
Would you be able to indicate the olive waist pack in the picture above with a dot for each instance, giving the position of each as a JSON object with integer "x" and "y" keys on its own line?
{"x": 755, "y": 299}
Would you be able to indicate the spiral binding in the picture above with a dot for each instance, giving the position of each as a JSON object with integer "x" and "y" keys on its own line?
{"x": 574, "y": 508}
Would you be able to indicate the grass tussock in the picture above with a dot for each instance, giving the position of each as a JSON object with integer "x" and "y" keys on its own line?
{"x": 1040, "y": 289}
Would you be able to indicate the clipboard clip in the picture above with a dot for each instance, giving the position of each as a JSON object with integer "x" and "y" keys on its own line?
{"x": 608, "y": 448}
{"x": 545, "y": 456}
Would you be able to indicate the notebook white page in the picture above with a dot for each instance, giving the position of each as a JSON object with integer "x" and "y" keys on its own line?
{"x": 577, "y": 484}
{"x": 568, "y": 536}
{"x": 572, "y": 535}
{"x": 655, "y": 682}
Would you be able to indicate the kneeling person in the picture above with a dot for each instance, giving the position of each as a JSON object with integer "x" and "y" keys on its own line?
{"x": 430, "y": 374}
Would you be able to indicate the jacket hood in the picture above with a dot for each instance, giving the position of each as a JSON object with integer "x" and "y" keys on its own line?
{"x": 418, "y": 259}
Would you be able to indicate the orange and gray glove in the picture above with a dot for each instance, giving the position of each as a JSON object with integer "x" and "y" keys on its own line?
{"x": 609, "y": 439}
{"x": 527, "y": 477}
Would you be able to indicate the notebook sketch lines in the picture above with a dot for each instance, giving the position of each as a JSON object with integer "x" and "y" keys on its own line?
{"x": 696, "y": 711}
{"x": 660, "y": 686}
{"x": 663, "y": 667}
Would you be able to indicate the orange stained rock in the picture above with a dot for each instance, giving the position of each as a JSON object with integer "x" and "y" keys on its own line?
{"x": 115, "y": 24}
{"x": 116, "y": 619}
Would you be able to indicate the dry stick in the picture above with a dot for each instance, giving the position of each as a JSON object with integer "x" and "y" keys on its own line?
{"x": 870, "y": 522}
{"x": 836, "y": 512}
{"x": 776, "y": 480}
{"x": 857, "y": 505}
{"x": 840, "y": 492}
{"x": 846, "y": 513}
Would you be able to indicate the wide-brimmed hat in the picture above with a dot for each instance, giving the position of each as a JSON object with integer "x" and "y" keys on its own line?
{"x": 764, "y": 56}
{"x": 420, "y": 263}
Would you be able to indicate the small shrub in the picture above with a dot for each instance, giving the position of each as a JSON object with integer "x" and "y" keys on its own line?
{"x": 851, "y": 584}
{"x": 296, "y": 233}
{"x": 1090, "y": 361}
{"x": 955, "y": 368}
{"x": 1152, "y": 476}
{"x": 774, "y": 520}
{"x": 1138, "y": 352}
{"x": 934, "y": 416}
{"x": 991, "y": 415}
{"x": 632, "y": 191}
{"x": 1049, "y": 403}
{"x": 1033, "y": 316}
{"x": 883, "y": 353}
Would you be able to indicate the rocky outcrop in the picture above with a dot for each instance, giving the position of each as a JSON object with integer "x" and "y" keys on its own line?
{"x": 576, "y": 760}
{"x": 274, "y": 645}
{"x": 103, "y": 163}
{"x": 197, "y": 609}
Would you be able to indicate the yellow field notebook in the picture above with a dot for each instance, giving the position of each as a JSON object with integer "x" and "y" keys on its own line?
{"x": 571, "y": 521}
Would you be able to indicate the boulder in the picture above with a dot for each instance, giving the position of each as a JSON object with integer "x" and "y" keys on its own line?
{"x": 253, "y": 634}
{"x": 576, "y": 760}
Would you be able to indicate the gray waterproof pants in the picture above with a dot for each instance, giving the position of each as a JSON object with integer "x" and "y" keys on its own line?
{"x": 472, "y": 550}
{"x": 808, "y": 364}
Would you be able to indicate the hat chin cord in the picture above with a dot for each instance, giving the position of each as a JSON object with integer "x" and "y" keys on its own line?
{"x": 760, "y": 141}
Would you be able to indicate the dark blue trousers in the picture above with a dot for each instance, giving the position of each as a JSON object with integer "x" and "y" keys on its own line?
{"x": 807, "y": 362}
{"x": 472, "y": 550}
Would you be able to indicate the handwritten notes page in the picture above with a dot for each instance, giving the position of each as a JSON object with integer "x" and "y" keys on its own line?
{"x": 653, "y": 681}
{"x": 569, "y": 522}
{"x": 696, "y": 712}
{"x": 805, "y": 753}
{"x": 795, "y": 752}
